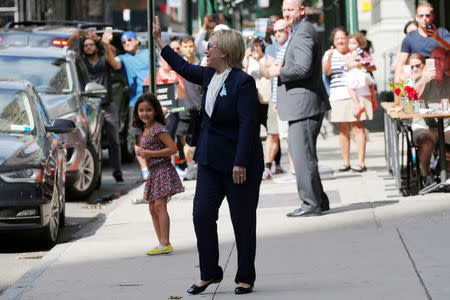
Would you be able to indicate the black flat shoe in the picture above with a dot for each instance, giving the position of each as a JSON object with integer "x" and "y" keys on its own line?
{"x": 344, "y": 169}
{"x": 360, "y": 169}
{"x": 243, "y": 290}
{"x": 195, "y": 289}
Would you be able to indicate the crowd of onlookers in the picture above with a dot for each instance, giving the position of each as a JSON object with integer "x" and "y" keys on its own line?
{"x": 347, "y": 74}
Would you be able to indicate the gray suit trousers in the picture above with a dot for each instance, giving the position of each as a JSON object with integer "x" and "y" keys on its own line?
{"x": 302, "y": 146}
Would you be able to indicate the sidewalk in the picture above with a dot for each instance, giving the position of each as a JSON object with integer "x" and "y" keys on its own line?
{"x": 373, "y": 244}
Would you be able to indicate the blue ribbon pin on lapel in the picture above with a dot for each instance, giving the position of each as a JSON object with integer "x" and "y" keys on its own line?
{"x": 223, "y": 92}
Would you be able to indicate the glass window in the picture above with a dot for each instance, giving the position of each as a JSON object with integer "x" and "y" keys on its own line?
{"x": 5, "y": 18}
{"x": 48, "y": 75}
{"x": 16, "y": 115}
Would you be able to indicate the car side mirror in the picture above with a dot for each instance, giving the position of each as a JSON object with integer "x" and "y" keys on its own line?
{"x": 61, "y": 126}
{"x": 94, "y": 90}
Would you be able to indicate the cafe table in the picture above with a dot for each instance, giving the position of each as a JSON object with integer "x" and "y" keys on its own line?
{"x": 391, "y": 121}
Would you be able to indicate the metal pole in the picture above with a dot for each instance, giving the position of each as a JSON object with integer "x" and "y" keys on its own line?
{"x": 351, "y": 15}
{"x": 189, "y": 17}
{"x": 151, "y": 45}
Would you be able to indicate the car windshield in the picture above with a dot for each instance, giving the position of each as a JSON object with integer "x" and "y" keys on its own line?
{"x": 49, "y": 75}
{"x": 16, "y": 116}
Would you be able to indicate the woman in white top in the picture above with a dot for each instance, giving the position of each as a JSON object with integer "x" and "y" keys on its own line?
{"x": 341, "y": 104}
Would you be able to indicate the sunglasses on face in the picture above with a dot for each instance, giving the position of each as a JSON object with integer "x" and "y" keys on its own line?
{"x": 416, "y": 66}
{"x": 127, "y": 40}
{"x": 209, "y": 46}
{"x": 424, "y": 16}
{"x": 176, "y": 48}
{"x": 280, "y": 30}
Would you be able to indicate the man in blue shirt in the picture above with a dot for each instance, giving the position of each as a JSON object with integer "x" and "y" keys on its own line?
{"x": 135, "y": 66}
{"x": 422, "y": 40}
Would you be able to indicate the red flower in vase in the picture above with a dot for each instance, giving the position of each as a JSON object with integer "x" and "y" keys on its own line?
{"x": 411, "y": 93}
{"x": 397, "y": 91}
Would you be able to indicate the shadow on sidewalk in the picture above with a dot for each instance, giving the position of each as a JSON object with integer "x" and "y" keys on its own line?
{"x": 360, "y": 205}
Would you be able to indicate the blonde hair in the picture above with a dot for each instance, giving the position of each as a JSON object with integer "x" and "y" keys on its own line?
{"x": 231, "y": 42}
{"x": 359, "y": 37}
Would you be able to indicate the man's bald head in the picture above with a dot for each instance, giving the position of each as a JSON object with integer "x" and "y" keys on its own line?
{"x": 282, "y": 30}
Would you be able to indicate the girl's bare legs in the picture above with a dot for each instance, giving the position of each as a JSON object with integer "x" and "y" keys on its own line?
{"x": 357, "y": 107}
{"x": 344, "y": 141}
{"x": 374, "y": 97}
{"x": 155, "y": 220}
{"x": 360, "y": 139}
{"x": 164, "y": 221}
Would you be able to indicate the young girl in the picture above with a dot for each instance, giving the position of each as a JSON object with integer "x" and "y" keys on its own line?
{"x": 156, "y": 147}
{"x": 359, "y": 77}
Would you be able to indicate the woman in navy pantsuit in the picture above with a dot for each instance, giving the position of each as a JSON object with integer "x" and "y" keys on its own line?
{"x": 228, "y": 152}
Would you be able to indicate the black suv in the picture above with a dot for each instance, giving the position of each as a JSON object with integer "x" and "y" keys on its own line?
{"x": 61, "y": 78}
{"x": 56, "y": 34}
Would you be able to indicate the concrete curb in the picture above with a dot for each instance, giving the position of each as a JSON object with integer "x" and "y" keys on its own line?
{"x": 26, "y": 280}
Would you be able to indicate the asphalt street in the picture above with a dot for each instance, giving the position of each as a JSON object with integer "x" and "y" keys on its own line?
{"x": 19, "y": 252}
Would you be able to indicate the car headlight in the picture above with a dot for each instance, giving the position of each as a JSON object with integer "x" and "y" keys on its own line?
{"x": 24, "y": 175}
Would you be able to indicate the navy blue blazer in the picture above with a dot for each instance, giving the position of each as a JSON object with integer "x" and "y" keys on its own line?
{"x": 230, "y": 137}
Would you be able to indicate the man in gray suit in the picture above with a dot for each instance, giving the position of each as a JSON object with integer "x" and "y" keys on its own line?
{"x": 302, "y": 101}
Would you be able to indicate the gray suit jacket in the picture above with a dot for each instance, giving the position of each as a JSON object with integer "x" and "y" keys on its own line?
{"x": 301, "y": 93}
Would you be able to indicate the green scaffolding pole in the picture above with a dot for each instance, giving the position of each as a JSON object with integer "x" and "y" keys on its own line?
{"x": 351, "y": 7}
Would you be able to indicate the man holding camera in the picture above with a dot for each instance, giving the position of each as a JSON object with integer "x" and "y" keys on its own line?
{"x": 100, "y": 72}
{"x": 424, "y": 39}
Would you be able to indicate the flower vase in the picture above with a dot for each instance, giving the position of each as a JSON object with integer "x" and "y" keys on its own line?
{"x": 407, "y": 106}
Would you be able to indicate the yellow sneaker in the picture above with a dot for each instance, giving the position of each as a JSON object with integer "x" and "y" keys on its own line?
{"x": 160, "y": 250}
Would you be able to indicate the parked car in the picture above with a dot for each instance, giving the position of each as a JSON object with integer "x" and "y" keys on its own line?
{"x": 32, "y": 162}
{"x": 56, "y": 34}
{"x": 61, "y": 78}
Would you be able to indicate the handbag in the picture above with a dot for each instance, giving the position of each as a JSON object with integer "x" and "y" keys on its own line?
{"x": 193, "y": 131}
{"x": 264, "y": 90}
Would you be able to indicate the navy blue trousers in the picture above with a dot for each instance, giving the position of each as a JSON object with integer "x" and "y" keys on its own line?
{"x": 212, "y": 187}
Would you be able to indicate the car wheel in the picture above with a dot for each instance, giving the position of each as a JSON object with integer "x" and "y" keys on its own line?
{"x": 51, "y": 230}
{"x": 88, "y": 177}
{"x": 127, "y": 146}
{"x": 62, "y": 201}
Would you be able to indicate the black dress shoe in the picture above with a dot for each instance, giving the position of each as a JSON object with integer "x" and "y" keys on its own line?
{"x": 243, "y": 290}
{"x": 195, "y": 289}
{"x": 325, "y": 207}
{"x": 300, "y": 212}
{"x": 118, "y": 178}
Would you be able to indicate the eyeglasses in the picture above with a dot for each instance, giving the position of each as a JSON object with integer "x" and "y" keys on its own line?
{"x": 210, "y": 46}
{"x": 424, "y": 16}
{"x": 89, "y": 44}
{"x": 416, "y": 66}
{"x": 127, "y": 40}
{"x": 280, "y": 30}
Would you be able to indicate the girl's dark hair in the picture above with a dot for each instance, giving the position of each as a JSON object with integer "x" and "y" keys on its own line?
{"x": 336, "y": 30}
{"x": 409, "y": 23}
{"x": 153, "y": 101}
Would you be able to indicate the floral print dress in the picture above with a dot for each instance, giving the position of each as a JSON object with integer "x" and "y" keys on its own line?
{"x": 163, "y": 180}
